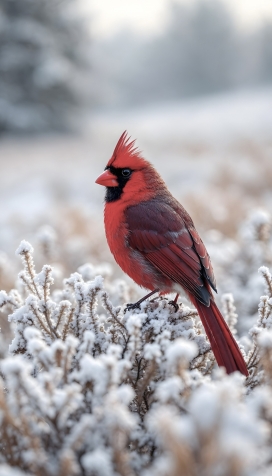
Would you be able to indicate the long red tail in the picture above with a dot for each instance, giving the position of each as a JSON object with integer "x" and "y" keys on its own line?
{"x": 223, "y": 344}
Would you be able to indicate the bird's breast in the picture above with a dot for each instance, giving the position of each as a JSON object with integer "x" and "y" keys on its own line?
{"x": 115, "y": 228}
{"x": 131, "y": 261}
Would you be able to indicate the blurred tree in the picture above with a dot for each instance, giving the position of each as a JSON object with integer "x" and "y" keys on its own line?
{"x": 197, "y": 53}
{"x": 200, "y": 51}
{"x": 265, "y": 53}
{"x": 44, "y": 65}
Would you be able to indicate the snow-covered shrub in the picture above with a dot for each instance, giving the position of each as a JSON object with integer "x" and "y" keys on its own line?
{"x": 91, "y": 388}
{"x": 237, "y": 260}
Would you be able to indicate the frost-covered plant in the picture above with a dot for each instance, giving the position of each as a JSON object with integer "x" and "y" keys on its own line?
{"x": 90, "y": 388}
{"x": 236, "y": 262}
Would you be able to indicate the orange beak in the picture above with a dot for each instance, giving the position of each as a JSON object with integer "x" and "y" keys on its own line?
{"x": 107, "y": 179}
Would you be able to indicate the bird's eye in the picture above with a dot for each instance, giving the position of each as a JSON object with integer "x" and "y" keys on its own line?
{"x": 126, "y": 172}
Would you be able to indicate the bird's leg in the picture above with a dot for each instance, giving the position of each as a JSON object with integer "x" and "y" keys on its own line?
{"x": 175, "y": 303}
{"x": 137, "y": 304}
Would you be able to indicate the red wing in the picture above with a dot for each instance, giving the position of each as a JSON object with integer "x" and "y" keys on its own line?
{"x": 162, "y": 236}
{"x": 204, "y": 257}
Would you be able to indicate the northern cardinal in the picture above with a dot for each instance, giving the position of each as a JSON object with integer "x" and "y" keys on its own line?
{"x": 154, "y": 241}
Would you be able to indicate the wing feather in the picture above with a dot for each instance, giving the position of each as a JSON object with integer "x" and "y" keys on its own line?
{"x": 174, "y": 247}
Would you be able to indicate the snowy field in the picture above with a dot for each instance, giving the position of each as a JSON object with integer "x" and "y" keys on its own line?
{"x": 195, "y": 145}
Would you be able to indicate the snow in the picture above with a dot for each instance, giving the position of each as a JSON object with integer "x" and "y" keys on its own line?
{"x": 9, "y": 471}
{"x": 134, "y": 322}
{"x": 47, "y": 234}
{"x": 16, "y": 365}
{"x": 264, "y": 270}
{"x": 88, "y": 271}
{"x": 45, "y": 276}
{"x": 31, "y": 333}
{"x": 265, "y": 339}
{"x": 98, "y": 462}
{"x": 152, "y": 351}
{"x": 24, "y": 247}
{"x": 170, "y": 389}
{"x": 181, "y": 350}
{"x": 3, "y": 298}
{"x": 96, "y": 284}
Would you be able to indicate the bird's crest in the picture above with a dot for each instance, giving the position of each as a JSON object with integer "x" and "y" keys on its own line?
{"x": 126, "y": 154}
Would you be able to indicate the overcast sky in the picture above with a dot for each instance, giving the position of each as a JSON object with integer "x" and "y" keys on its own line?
{"x": 149, "y": 16}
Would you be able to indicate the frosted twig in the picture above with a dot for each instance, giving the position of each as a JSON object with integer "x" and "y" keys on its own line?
{"x": 34, "y": 308}
{"x": 229, "y": 312}
{"x": 68, "y": 323}
{"x": 62, "y": 311}
{"x": 25, "y": 250}
{"x": 268, "y": 279}
{"x": 27, "y": 282}
{"x": 142, "y": 384}
{"x": 91, "y": 297}
{"x": 113, "y": 312}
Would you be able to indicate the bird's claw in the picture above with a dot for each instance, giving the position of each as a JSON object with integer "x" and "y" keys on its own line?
{"x": 131, "y": 306}
{"x": 175, "y": 305}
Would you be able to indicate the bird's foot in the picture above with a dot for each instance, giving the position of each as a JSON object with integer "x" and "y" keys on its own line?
{"x": 136, "y": 305}
{"x": 175, "y": 305}
{"x": 131, "y": 306}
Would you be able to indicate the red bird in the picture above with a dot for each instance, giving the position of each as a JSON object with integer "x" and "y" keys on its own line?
{"x": 154, "y": 241}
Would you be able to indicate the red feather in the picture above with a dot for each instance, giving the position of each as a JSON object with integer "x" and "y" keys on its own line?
{"x": 154, "y": 241}
{"x": 223, "y": 344}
